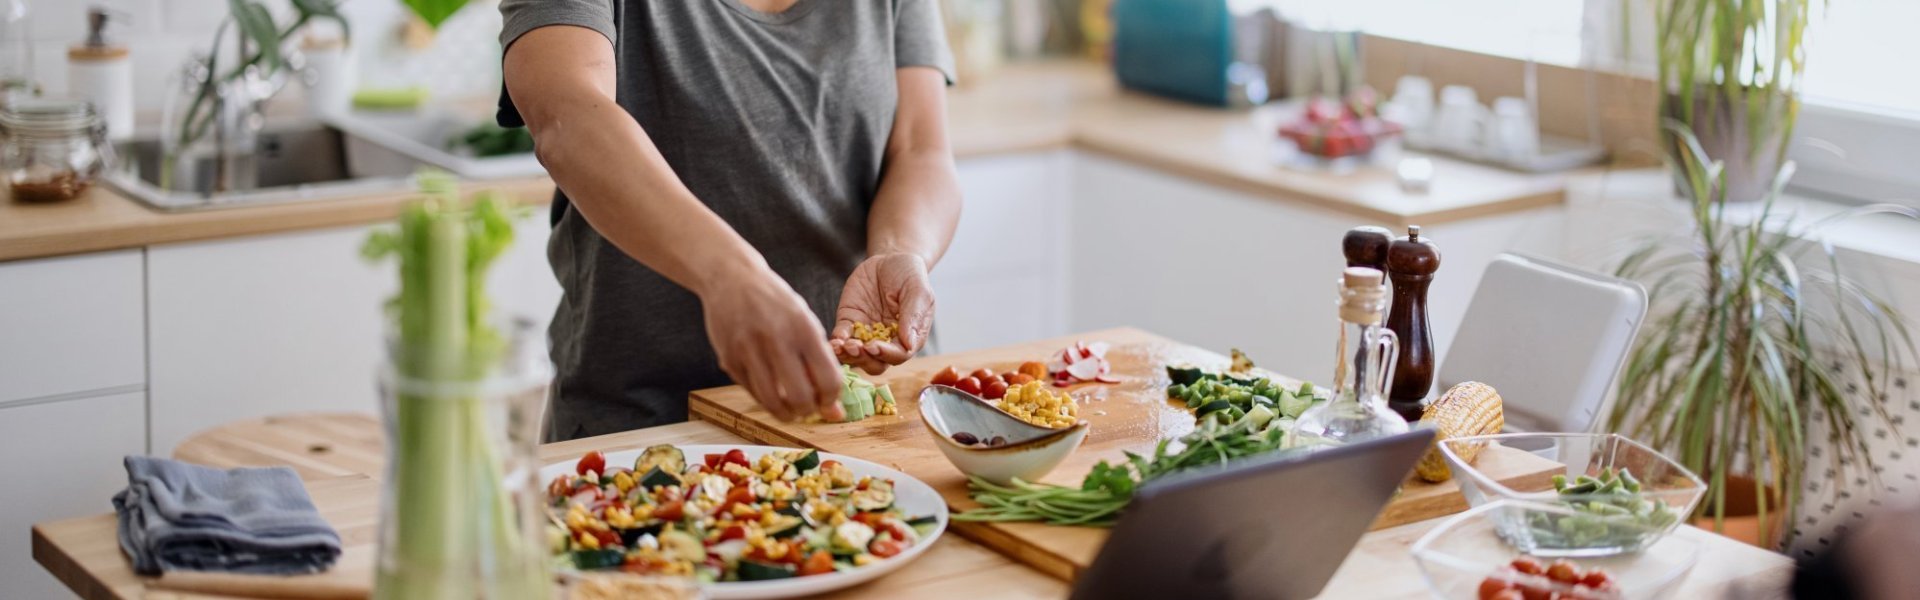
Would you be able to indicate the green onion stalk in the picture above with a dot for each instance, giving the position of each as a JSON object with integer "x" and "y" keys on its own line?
{"x": 454, "y": 524}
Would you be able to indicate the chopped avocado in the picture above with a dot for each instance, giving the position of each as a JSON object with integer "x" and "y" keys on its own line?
{"x": 808, "y": 460}
{"x": 665, "y": 456}
{"x": 657, "y": 477}
{"x": 1291, "y": 405}
{"x": 753, "y": 570}
{"x": 856, "y": 395}
{"x": 877, "y": 496}
{"x": 588, "y": 560}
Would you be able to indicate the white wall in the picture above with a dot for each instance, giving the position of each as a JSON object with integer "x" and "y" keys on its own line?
{"x": 464, "y": 59}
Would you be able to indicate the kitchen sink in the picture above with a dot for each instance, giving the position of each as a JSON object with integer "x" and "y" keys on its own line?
{"x": 293, "y": 161}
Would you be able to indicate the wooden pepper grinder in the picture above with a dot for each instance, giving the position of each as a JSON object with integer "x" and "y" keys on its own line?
{"x": 1411, "y": 261}
{"x": 1366, "y": 246}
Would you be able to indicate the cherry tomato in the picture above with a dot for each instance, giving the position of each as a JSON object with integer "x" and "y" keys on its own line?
{"x": 968, "y": 385}
{"x": 1020, "y": 379}
{"x": 886, "y": 547}
{"x": 738, "y": 495}
{"x": 1528, "y": 565}
{"x": 1528, "y": 592}
{"x": 820, "y": 563}
{"x": 593, "y": 461}
{"x": 947, "y": 376}
{"x": 737, "y": 457}
{"x": 983, "y": 374}
{"x": 671, "y": 511}
{"x": 1597, "y": 579}
{"x": 1493, "y": 586}
{"x": 995, "y": 390}
{"x": 1033, "y": 369}
{"x": 1506, "y": 594}
{"x": 713, "y": 461}
{"x": 733, "y": 532}
{"x": 606, "y": 537}
{"x": 559, "y": 487}
{"x": 1565, "y": 571}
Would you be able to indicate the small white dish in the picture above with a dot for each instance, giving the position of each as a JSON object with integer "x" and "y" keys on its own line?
{"x": 1031, "y": 451}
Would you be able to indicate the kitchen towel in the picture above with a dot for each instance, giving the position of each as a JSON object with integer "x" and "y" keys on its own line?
{"x": 175, "y": 515}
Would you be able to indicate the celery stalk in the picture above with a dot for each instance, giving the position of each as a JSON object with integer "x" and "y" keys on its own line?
{"x": 453, "y": 532}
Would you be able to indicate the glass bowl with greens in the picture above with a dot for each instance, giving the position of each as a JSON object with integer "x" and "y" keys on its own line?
{"x": 1621, "y": 495}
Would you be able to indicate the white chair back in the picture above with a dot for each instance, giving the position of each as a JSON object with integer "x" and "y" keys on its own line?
{"x": 1549, "y": 337}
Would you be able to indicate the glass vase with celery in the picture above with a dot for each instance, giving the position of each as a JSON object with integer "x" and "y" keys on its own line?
{"x": 461, "y": 512}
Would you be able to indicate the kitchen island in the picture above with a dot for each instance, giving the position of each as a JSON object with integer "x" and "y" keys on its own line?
{"x": 341, "y": 457}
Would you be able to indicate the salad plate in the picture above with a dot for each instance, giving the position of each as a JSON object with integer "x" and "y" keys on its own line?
{"x": 851, "y": 511}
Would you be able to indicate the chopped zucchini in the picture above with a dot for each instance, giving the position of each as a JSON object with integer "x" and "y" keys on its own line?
{"x": 808, "y": 460}
{"x": 753, "y": 570}
{"x": 878, "y": 496}
{"x": 588, "y": 560}
{"x": 1216, "y": 405}
{"x": 631, "y": 536}
{"x": 851, "y": 537}
{"x": 925, "y": 520}
{"x": 784, "y": 526}
{"x": 658, "y": 476}
{"x": 666, "y": 457}
{"x": 1184, "y": 374}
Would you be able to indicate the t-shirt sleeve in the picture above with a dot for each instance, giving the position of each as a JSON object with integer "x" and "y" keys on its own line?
{"x": 919, "y": 38}
{"x": 521, "y": 16}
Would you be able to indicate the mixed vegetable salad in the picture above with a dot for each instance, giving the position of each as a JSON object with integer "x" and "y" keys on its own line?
{"x": 725, "y": 518}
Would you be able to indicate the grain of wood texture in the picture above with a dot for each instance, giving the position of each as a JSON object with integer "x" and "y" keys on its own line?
{"x": 84, "y": 553}
{"x": 1130, "y": 416}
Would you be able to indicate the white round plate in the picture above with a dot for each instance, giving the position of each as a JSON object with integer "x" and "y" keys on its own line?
{"x": 914, "y": 498}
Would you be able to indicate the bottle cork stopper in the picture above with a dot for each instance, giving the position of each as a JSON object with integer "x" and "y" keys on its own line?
{"x": 1361, "y": 277}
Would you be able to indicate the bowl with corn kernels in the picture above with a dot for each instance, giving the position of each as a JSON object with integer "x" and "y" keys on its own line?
{"x": 1024, "y": 435}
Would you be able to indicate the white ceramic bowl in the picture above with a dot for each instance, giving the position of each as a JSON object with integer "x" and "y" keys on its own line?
{"x": 1031, "y": 451}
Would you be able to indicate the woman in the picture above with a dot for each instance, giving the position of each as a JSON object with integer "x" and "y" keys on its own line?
{"x": 733, "y": 175}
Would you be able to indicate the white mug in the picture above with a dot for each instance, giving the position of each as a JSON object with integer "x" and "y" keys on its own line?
{"x": 1460, "y": 122}
{"x": 1512, "y": 134}
{"x": 1412, "y": 107}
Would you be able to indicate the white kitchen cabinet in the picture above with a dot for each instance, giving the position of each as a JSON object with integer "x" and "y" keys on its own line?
{"x": 1003, "y": 280}
{"x": 1223, "y": 269}
{"x": 71, "y": 325}
{"x": 292, "y": 322}
{"x": 60, "y": 459}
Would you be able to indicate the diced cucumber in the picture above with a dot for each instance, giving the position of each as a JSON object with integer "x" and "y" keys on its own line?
{"x": 658, "y": 476}
{"x": 807, "y": 461}
{"x": 753, "y": 570}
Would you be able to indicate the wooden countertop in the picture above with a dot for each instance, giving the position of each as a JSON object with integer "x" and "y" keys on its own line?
{"x": 341, "y": 457}
{"x": 1021, "y": 107}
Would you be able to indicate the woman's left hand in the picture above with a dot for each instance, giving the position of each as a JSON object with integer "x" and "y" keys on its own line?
{"x": 886, "y": 288}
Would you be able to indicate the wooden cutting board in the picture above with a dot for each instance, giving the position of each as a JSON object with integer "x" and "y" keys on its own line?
{"x": 1132, "y": 415}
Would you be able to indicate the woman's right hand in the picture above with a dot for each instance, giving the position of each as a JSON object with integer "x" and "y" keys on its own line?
{"x": 769, "y": 342}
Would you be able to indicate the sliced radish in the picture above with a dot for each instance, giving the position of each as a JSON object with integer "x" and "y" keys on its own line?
{"x": 1098, "y": 349}
{"x": 1086, "y": 369}
{"x": 1105, "y": 378}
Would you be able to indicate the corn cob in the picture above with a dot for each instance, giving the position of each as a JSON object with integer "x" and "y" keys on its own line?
{"x": 1470, "y": 408}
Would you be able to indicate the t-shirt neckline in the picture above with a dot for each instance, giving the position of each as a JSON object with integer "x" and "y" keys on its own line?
{"x": 791, "y": 14}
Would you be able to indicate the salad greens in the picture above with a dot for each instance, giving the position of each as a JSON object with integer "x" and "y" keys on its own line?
{"x": 449, "y": 513}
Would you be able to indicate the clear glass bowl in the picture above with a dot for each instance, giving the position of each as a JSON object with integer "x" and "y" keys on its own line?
{"x": 1460, "y": 554}
{"x": 1605, "y": 521}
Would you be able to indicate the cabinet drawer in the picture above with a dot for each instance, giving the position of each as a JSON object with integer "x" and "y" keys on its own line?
{"x": 60, "y": 460}
{"x": 71, "y": 324}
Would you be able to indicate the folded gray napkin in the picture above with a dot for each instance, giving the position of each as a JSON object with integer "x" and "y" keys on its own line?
{"x": 175, "y": 515}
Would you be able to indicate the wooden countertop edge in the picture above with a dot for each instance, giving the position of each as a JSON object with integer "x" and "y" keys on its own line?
{"x": 63, "y": 566}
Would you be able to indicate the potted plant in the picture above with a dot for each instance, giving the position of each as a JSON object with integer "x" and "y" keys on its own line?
{"x": 209, "y": 132}
{"x": 1747, "y": 341}
{"x": 1730, "y": 71}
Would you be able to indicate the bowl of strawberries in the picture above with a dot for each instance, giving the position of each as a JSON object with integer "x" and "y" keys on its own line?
{"x": 1340, "y": 128}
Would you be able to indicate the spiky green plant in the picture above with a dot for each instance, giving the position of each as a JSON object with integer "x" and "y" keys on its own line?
{"x": 1727, "y": 64}
{"x": 1735, "y": 359}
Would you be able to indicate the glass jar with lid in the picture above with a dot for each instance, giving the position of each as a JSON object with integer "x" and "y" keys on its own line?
{"x": 51, "y": 149}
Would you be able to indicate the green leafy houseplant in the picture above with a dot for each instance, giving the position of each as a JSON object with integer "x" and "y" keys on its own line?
{"x": 1742, "y": 350}
{"x": 1730, "y": 70}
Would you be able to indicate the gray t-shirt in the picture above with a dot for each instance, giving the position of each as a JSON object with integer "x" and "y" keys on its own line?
{"x": 777, "y": 121}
